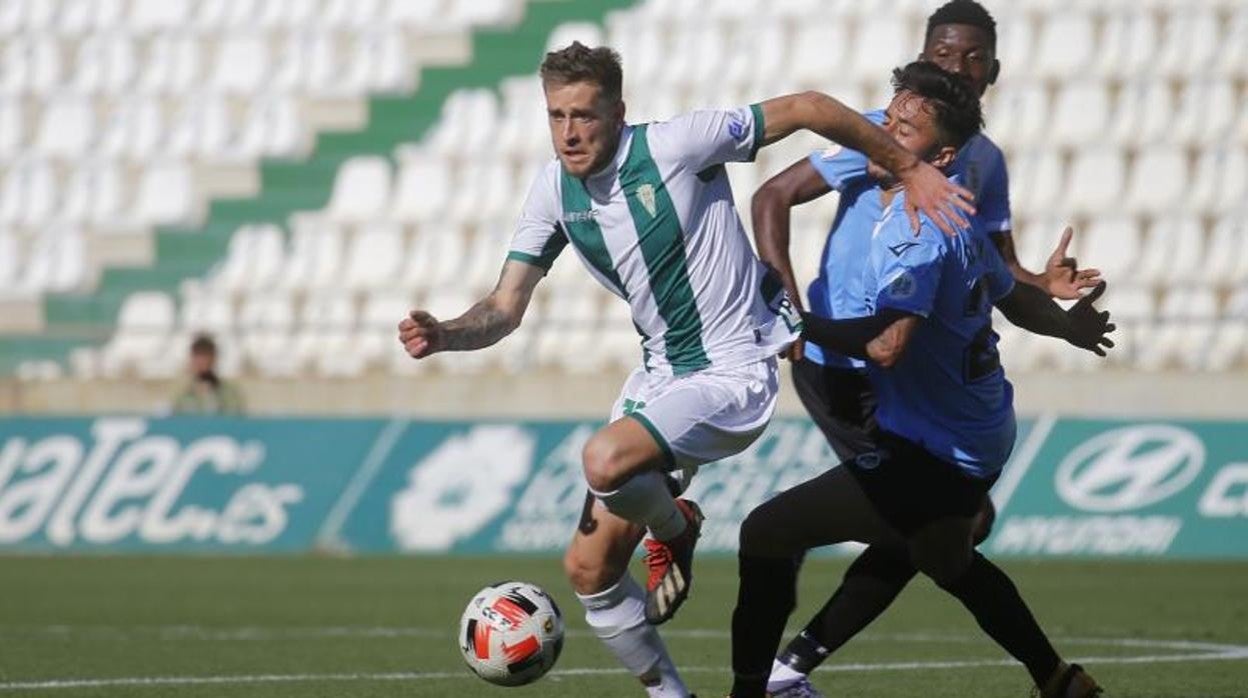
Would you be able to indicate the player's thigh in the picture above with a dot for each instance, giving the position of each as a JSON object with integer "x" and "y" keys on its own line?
{"x": 942, "y": 549}
{"x": 601, "y": 548}
{"x": 830, "y": 508}
{"x": 841, "y": 402}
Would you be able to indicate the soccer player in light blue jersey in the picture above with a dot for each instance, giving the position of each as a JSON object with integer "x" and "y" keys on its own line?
{"x": 834, "y": 389}
{"x": 945, "y": 414}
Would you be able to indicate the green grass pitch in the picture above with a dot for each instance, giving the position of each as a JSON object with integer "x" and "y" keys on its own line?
{"x": 302, "y": 626}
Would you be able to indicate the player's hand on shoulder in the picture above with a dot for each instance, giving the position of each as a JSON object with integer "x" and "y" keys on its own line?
{"x": 1063, "y": 278}
{"x": 420, "y": 334}
{"x": 1089, "y": 326}
{"x": 930, "y": 191}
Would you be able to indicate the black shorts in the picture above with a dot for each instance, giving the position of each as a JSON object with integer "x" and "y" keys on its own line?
{"x": 911, "y": 488}
{"x": 842, "y": 404}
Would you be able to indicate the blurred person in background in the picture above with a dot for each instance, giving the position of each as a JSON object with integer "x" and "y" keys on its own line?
{"x": 206, "y": 393}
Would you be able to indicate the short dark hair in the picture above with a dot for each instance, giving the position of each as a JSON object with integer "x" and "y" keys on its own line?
{"x": 951, "y": 98}
{"x": 203, "y": 344}
{"x": 963, "y": 12}
{"x": 580, "y": 63}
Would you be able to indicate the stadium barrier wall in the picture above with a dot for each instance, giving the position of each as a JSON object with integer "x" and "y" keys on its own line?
{"x": 1075, "y": 487}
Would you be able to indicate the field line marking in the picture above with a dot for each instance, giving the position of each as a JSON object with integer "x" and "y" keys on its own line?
{"x": 257, "y": 633}
{"x": 328, "y": 536}
{"x": 1021, "y": 463}
{"x": 54, "y": 684}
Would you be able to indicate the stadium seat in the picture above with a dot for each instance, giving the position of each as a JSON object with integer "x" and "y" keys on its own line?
{"x": 1080, "y": 115}
{"x": 135, "y": 129}
{"x": 267, "y": 321}
{"x": 1095, "y": 182}
{"x": 1226, "y": 259}
{"x": 361, "y": 190}
{"x": 1132, "y": 308}
{"x": 1206, "y": 116}
{"x": 93, "y": 194}
{"x": 1220, "y": 181}
{"x": 200, "y": 129}
{"x": 1159, "y": 177}
{"x": 106, "y": 63}
{"x": 152, "y": 16}
{"x": 1019, "y": 115}
{"x": 1127, "y": 46}
{"x": 30, "y": 192}
{"x": 1230, "y": 336}
{"x": 315, "y": 255}
{"x": 326, "y": 324}
{"x": 879, "y": 45}
{"x": 165, "y": 195}
{"x": 373, "y": 258}
{"x": 9, "y": 263}
{"x": 1184, "y": 331}
{"x": 142, "y": 335}
{"x": 1015, "y": 47}
{"x": 1189, "y": 44}
{"x": 1064, "y": 46}
{"x": 67, "y": 129}
{"x": 253, "y": 261}
{"x": 423, "y": 191}
{"x": 377, "y": 342}
{"x": 1036, "y": 182}
{"x": 1232, "y": 60}
{"x": 1143, "y": 115}
{"x": 1112, "y": 244}
{"x": 173, "y": 65}
{"x": 819, "y": 51}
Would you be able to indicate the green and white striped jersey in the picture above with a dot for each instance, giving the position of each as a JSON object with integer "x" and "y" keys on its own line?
{"x": 658, "y": 228}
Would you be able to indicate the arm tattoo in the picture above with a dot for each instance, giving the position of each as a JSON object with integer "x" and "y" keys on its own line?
{"x": 483, "y": 325}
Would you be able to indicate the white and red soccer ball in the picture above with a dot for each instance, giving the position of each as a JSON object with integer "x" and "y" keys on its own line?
{"x": 511, "y": 633}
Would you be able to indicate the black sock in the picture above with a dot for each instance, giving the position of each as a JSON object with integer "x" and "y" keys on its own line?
{"x": 765, "y": 598}
{"x": 870, "y": 585}
{"x": 993, "y": 599}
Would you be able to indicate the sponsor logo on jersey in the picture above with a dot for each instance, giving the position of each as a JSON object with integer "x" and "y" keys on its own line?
{"x": 579, "y": 216}
{"x": 1130, "y": 468}
{"x": 736, "y": 128}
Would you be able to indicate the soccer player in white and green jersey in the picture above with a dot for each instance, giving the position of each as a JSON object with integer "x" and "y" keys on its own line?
{"x": 649, "y": 211}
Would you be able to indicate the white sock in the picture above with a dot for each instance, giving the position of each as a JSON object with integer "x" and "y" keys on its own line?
{"x": 782, "y": 676}
{"x": 645, "y": 499}
{"x": 618, "y": 617}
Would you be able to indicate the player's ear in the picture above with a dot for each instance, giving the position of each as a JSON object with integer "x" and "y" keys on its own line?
{"x": 944, "y": 157}
{"x": 994, "y": 72}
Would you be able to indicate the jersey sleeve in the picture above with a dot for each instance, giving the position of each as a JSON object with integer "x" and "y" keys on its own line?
{"x": 907, "y": 267}
{"x": 839, "y": 167}
{"x": 994, "y": 204}
{"x": 842, "y": 167}
{"x": 706, "y": 138}
{"x": 539, "y": 236}
{"x": 999, "y": 278}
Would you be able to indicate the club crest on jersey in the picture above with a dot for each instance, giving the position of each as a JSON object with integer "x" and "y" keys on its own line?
{"x": 645, "y": 194}
{"x": 829, "y": 154}
{"x": 902, "y": 287}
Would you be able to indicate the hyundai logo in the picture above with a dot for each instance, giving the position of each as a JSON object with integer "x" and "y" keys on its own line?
{"x": 1130, "y": 468}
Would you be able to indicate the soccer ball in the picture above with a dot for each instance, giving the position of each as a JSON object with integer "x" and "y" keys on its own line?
{"x": 511, "y": 633}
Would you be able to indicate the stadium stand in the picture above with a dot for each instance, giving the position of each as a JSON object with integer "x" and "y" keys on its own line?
{"x": 293, "y": 175}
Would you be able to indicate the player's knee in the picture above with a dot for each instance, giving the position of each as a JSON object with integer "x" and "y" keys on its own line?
{"x": 603, "y": 461}
{"x": 758, "y": 536}
{"x": 943, "y": 566}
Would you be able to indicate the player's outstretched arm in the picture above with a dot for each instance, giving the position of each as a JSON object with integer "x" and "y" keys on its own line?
{"x": 797, "y": 184}
{"x": 1083, "y": 325}
{"x": 927, "y": 190}
{"x": 491, "y": 319}
{"x": 881, "y": 338}
{"x": 1062, "y": 277}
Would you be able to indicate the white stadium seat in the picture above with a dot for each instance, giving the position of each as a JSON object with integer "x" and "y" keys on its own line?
{"x": 165, "y": 195}
{"x": 1095, "y": 181}
{"x": 361, "y": 189}
{"x": 373, "y": 258}
{"x": 1080, "y": 114}
{"x": 1158, "y": 179}
{"x": 142, "y": 337}
{"x": 68, "y": 127}
{"x": 1064, "y": 46}
{"x": 1128, "y": 45}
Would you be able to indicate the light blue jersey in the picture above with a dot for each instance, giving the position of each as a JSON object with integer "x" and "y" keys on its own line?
{"x": 948, "y": 391}
{"x": 837, "y": 292}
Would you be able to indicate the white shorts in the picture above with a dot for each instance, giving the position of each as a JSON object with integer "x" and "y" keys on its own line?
{"x": 702, "y": 417}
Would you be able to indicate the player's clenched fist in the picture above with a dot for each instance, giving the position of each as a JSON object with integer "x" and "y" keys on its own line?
{"x": 420, "y": 334}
